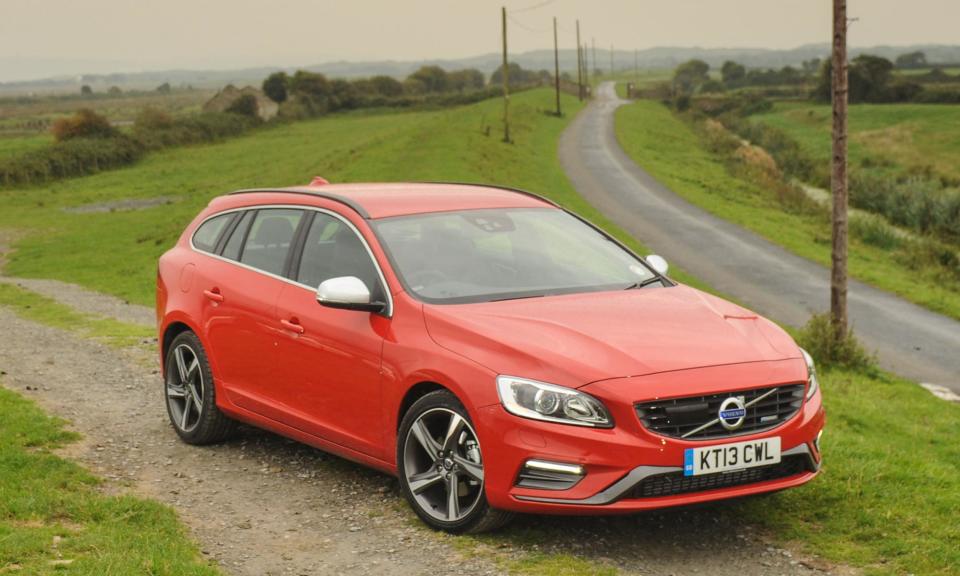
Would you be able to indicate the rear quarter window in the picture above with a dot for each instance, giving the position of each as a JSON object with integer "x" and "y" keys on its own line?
{"x": 207, "y": 235}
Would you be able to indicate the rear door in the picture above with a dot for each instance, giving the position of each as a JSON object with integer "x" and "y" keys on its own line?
{"x": 241, "y": 289}
{"x": 329, "y": 359}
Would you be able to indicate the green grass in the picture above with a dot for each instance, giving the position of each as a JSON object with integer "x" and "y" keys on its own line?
{"x": 116, "y": 252}
{"x": 671, "y": 151}
{"x": 888, "y": 498}
{"x": 33, "y": 306}
{"x": 51, "y": 510}
{"x": 905, "y": 136}
{"x": 13, "y": 145}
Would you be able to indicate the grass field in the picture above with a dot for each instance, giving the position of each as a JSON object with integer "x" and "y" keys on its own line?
{"x": 53, "y": 520}
{"x": 669, "y": 149}
{"x": 903, "y": 136}
{"x": 11, "y": 145}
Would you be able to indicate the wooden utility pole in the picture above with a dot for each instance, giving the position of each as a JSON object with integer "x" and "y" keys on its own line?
{"x": 579, "y": 65}
{"x": 556, "y": 65}
{"x": 636, "y": 65}
{"x": 506, "y": 81}
{"x": 593, "y": 52}
{"x": 586, "y": 70}
{"x": 838, "y": 273}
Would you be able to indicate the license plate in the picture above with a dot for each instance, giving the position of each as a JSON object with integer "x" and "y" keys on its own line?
{"x": 727, "y": 457}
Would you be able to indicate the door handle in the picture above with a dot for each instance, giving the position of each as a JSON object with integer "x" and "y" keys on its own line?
{"x": 214, "y": 295}
{"x": 293, "y": 326}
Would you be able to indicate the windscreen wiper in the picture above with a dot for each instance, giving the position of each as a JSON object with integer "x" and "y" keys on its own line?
{"x": 644, "y": 283}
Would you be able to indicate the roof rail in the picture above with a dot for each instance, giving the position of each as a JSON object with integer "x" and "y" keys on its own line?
{"x": 507, "y": 188}
{"x": 316, "y": 191}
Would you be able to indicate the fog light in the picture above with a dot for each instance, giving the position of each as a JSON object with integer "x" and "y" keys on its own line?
{"x": 545, "y": 475}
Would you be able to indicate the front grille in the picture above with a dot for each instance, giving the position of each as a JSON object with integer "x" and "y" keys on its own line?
{"x": 679, "y": 416}
{"x": 673, "y": 483}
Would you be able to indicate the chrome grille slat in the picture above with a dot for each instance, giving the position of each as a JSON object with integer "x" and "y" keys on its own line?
{"x": 658, "y": 417}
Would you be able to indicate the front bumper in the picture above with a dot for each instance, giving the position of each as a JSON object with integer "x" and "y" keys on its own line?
{"x": 617, "y": 461}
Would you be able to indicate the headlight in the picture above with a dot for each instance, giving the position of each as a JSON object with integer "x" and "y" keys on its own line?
{"x": 811, "y": 374}
{"x": 541, "y": 401}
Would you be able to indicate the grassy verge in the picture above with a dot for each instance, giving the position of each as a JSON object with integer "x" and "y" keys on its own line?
{"x": 889, "y": 495}
{"x": 53, "y": 520}
{"x": 670, "y": 150}
{"x": 33, "y": 306}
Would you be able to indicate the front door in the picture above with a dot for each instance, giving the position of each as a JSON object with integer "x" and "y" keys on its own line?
{"x": 329, "y": 358}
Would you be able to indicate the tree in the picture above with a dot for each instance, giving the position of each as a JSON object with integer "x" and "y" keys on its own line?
{"x": 310, "y": 84}
{"x": 86, "y": 90}
{"x": 518, "y": 76}
{"x": 275, "y": 87}
{"x": 433, "y": 78}
{"x": 869, "y": 77}
{"x": 690, "y": 75}
{"x": 466, "y": 80}
{"x": 732, "y": 73}
{"x": 912, "y": 60}
{"x": 164, "y": 88}
{"x": 838, "y": 177}
{"x": 386, "y": 86}
{"x": 114, "y": 91}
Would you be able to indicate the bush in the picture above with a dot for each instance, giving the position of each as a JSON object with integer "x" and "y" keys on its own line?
{"x": 875, "y": 231}
{"x": 830, "y": 349}
{"x": 74, "y": 157}
{"x": 84, "y": 124}
{"x": 918, "y": 202}
{"x": 245, "y": 105}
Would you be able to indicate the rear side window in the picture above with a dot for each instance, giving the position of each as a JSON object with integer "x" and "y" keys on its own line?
{"x": 235, "y": 243}
{"x": 269, "y": 239}
{"x": 206, "y": 236}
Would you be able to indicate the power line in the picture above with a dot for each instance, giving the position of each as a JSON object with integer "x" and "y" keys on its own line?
{"x": 534, "y": 7}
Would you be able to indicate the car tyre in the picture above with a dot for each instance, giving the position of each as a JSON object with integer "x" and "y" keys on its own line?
{"x": 190, "y": 394}
{"x": 441, "y": 468}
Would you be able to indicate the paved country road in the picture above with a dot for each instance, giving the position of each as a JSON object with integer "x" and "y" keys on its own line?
{"x": 910, "y": 340}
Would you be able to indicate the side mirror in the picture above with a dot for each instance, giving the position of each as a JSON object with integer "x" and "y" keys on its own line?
{"x": 658, "y": 264}
{"x": 347, "y": 293}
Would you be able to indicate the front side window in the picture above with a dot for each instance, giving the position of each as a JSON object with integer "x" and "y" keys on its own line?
{"x": 485, "y": 255}
{"x": 206, "y": 236}
{"x": 269, "y": 239}
{"x": 331, "y": 250}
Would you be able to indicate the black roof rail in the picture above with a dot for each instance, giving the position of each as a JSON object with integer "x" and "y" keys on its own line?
{"x": 309, "y": 192}
{"x": 497, "y": 186}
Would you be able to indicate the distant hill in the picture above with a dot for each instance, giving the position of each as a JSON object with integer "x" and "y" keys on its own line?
{"x": 659, "y": 57}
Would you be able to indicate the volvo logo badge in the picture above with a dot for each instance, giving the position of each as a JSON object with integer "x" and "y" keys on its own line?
{"x": 732, "y": 413}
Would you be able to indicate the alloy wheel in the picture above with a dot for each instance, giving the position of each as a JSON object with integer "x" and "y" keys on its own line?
{"x": 185, "y": 388}
{"x": 443, "y": 467}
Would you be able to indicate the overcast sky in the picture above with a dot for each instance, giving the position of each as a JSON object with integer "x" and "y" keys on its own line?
{"x": 43, "y": 37}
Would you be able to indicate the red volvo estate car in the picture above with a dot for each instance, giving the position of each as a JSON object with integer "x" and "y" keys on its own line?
{"x": 495, "y": 352}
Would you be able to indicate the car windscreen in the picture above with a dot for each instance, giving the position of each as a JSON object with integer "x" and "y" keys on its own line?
{"x": 486, "y": 255}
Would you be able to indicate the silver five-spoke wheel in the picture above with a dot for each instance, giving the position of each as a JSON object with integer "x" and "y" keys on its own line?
{"x": 185, "y": 389}
{"x": 442, "y": 465}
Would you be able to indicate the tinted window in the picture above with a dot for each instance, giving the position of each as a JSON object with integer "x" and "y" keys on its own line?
{"x": 232, "y": 249}
{"x": 206, "y": 236}
{"x": 332, "y": 249}
{"x": 269, "y": 239}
